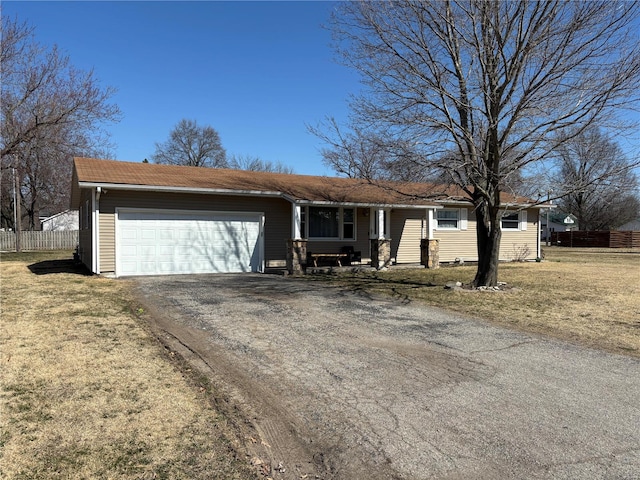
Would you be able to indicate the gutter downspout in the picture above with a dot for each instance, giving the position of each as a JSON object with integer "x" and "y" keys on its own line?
{"x": 539, "y": 252}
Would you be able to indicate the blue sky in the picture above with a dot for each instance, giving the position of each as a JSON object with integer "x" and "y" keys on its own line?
{"x": 257, "y": 72}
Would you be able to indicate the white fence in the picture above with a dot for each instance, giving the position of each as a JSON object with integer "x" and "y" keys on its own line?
{"x": 47, "y": 240}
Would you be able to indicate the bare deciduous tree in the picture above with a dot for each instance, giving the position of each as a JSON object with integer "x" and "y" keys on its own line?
{"x": 602, "y": 179}
{"x": 256, "y": 164}
{"x": 490, "y": 82}
{"x": 50, "y": 111}
{"x": 191, "y": 145}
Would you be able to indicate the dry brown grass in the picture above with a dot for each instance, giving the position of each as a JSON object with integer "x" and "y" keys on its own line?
{"x": 590, "y": 296}
{"x": 86, "y": 392}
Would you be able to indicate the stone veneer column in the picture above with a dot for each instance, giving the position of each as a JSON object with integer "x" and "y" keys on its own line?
{"x": 430, "y": 253}
{"x": 296, "y": 256}
{"x": 380, "y": 253}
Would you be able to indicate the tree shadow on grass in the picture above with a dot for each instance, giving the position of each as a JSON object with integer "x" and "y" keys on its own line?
{"x": 47, "y": 267}
{"x": 366, "y": 286}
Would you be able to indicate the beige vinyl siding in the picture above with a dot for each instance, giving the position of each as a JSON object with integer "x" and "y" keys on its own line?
{"x": 458, "y": 243}
{"x": 107, "y": 242}
{"x": 513, "y": 242}
{"x": 277, "y": 214}
{"x": 407, "y": 229}
{"x": 462, "y": 243}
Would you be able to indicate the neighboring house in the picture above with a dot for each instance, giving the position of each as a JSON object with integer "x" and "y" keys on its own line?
{"x": 146, "y": 219}
{"x": 632, "y": 226}
{"x": 67, "y": 220}
{"x": 558, "y": 222}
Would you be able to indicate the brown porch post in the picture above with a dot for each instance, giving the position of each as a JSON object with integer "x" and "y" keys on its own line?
{"x": 430, "y": 253}
{"x": 296, "y": 256}
{"x": 380, "y": 253}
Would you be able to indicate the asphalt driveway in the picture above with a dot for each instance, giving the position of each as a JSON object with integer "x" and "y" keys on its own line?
{"x": 347, "y": 387}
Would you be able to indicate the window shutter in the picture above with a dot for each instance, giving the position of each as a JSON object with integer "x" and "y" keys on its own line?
{"x": 523, "y": 219}
{"x": 463, "y": 219}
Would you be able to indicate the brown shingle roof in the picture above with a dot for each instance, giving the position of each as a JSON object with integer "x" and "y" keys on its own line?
{"x": 304, "y": 188}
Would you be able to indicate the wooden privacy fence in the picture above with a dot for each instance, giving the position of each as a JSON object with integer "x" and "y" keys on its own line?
{"x": 601, "y": 239}
{"x": 46, "y": 240}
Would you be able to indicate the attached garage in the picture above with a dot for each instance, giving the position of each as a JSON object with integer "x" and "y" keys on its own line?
{"x": 161, "y": 242}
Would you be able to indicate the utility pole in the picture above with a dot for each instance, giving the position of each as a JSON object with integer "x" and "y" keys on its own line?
{"x": 16, "y": 209}
{"x": 548, "y": 242}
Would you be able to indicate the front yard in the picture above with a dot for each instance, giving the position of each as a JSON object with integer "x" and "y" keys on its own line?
{"x": 87, "y": 392}
{"x": 590, "y": 296}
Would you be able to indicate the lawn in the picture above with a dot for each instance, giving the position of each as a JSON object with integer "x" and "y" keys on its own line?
{"x": 87, "y": 392}
{"x": 588, "y": 296}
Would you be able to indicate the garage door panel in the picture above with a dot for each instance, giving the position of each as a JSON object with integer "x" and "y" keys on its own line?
{"x": 148, "y": 268}
{"x": 166, "y": 250}
{"x": 129, "y": 251}
{"x": 147, "y": 233}
{"x": 151, "y": 243}
{"x": 166, "y": 234}
{"x": 165, "y": 267}
{"x": 129, "y": 233}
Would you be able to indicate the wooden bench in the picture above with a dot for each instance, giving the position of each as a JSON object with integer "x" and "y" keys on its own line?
{"x": 334, "y": 256}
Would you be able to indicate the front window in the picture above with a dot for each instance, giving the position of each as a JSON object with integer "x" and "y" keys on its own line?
{"x": 448, "y": 219}
{"x": 510, "y": 221}
{"x": 324, "y": 222}
{"x": 348, "y": 224}
{"x": 303, "y": 221}
{"x": 330, "y": 222}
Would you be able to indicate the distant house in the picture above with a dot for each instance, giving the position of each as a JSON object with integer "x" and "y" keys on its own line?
{"x": 67, "y": 220}
{"x": 146, "y": 219}
{"x": 558, "y": 222}
{"x": 632, "y": 226}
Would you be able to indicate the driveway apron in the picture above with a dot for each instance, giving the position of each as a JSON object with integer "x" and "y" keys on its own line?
{"x": 341, "y": 385}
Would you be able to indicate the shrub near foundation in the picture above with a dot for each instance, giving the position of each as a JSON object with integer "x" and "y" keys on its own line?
{"x": 87, "y": 392}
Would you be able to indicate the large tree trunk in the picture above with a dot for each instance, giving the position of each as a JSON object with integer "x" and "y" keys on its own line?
{"x": 488, "y": 234}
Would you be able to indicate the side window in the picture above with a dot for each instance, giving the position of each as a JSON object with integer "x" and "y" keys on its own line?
{"x": 514, "y": 220}
{"x": 448, "y": 219}
{"x": 510, "y": 221}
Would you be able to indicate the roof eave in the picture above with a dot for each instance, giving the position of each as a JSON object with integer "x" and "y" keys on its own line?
{"x": 256, "y": 193}
{"x": 175, "y": 189}
{"x": 365, "y": 204}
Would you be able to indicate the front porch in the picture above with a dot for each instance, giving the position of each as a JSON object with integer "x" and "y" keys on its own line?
{"x": 342, "y": 236}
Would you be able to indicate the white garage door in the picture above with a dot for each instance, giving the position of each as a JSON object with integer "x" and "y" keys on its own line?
{"x": 150, "y": 242}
